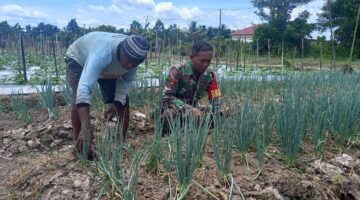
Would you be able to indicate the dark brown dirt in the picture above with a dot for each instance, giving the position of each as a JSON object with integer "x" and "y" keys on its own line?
{"x": 37, "y": 163}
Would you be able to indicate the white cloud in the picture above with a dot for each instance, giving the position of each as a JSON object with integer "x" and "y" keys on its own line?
{"x": 267, "y": 11}
{"x": 114, "y": 9}
{"x": 164, "y": 7}
{"x": 314, "y": 8}
{"x": 296, "y": 12}
{"x": 166, "y": 11}
{"x": 239, "y": 19}
{"x": 97, "y": 8}
{"x": 169, "y": 10}
{"x": 81, "y": 11}
{"x": 22, "y": 12}
{"x": 188, "y": 13}
{"x": 149, "y": 4}
{"x": 135, "y": 4}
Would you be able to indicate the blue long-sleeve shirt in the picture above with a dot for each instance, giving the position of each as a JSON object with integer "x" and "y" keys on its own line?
{"x": 97, "y": 53}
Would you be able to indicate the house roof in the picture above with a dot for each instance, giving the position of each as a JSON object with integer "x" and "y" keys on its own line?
{"x": 246, "y": 31}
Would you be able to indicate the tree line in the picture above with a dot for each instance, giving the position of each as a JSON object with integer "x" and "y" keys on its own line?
{"x": 337, "y": 16}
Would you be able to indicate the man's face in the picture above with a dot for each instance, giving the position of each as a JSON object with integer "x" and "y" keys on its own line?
{"x": 201, "y": 60}
{"x": 125, "y": 62}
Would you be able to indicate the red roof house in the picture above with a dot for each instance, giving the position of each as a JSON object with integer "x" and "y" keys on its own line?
{"x": 244, "y": 34}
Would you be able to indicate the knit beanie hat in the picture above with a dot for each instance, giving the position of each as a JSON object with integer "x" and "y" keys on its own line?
{"x": 135, "y": 48}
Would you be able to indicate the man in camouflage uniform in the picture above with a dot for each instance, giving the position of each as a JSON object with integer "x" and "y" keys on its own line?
{"x": 188, "y": 83}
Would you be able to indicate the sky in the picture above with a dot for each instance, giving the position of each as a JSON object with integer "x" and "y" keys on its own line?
{"x": 236, "y": 14}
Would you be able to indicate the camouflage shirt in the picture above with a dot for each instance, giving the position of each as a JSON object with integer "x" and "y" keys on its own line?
{"x": 184, "y": 87}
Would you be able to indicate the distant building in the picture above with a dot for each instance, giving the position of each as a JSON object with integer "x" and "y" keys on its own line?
{"x": 244, "y": 34}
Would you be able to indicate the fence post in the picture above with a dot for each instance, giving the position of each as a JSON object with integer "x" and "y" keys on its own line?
{"x": 157, "y": 48}
{"x": 170, "y": 51}
{"x": 238, "y": 54}
{"x": 180, "y": 58}
{"x": 331, "y": 37}
{"x": 354, "y": 37}
{"x": 321, "y": 54}
{"x": 244, "y": 53}
{"x": 42, "y": 42}
{"x": 302, "y": 54}
{"x": 257, "y": 53}
{"x": 23, "y": 56}
{"x": 162, "y": 52}
{"x": 294, "y": 57}
{"x": 269, "y": 52}
{"x": 218, "y": 42}
{"x": 282, "y": 53}
{"x": 226, "y": 55}
{"x": 54, "y": 54}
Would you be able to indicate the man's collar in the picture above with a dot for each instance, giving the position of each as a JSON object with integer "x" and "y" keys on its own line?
{"x": 190, "y": 69}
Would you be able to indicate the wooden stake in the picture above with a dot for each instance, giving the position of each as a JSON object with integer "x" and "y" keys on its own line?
{"x": 302, "y": 54}
{"x": 23, "y": 56}
{"x": 269, "y": 52}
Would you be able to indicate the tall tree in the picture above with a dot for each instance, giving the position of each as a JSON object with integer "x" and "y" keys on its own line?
{"x": 106, "y": 28}
{"x": 298, "y": 29}
{"x": 343, "y": 13}
{"x": 159, "y": 27}
{"x": 72, "y": 27}
{"x": 195, "y": 31}
{"x": 47, "y": 29}
{"x": 174, "y": 33}
{"x": 211, "y": 32}
{"x": 5, "y": 28}
{"x": 225, "y": 31}
{"x": 136, "y": 28}
{"x": 277, "y": 14}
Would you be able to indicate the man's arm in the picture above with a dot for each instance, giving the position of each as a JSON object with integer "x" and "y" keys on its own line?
{"x": 214, "y": 95}
{"x": 91, "y": 72}
{"x": 123, "y": 84}
{"x": 169, "y": 99}
{"x": 93, "y": 66}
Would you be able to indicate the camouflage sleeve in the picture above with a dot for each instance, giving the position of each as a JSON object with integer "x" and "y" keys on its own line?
{"x": 214, "y": 95}
{"x": 169, "y": 99}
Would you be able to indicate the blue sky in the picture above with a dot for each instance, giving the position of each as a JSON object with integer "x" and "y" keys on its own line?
{"x": 236, "y": 14}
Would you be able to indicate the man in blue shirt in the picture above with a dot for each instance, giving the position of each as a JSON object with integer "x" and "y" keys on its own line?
{"x": 110, "y": 59}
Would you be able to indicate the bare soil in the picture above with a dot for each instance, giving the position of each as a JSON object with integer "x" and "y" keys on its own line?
{"x": 36, "y": 162}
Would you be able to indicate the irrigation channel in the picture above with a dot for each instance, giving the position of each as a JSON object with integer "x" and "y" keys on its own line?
{"x": 8, "y": 87}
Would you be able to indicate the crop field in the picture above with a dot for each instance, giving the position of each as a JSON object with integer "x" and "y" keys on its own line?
{"x": 292, "y": 136}
{"x": 292, "y": 130}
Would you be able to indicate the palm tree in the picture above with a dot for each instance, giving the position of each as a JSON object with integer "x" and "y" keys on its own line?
{"x": 195, "y": 31}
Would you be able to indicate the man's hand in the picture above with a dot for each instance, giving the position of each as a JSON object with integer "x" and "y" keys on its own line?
{"x": 227, "y": 111}
{"x": 86, "y": 137}
{"x": 196, "y": 112}
{"x": 110, "y": 112}
{"x": 86, "y": 133}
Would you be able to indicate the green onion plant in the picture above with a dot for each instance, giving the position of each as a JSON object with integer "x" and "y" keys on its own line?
{"x": 290, "y": 122}
{"x": 223, "y": 137}
{"x": 46, "y": 95}
{"x": 19, "y": 107}
{"x": 247, "y": 126}
{"x": 155, "y": 153}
